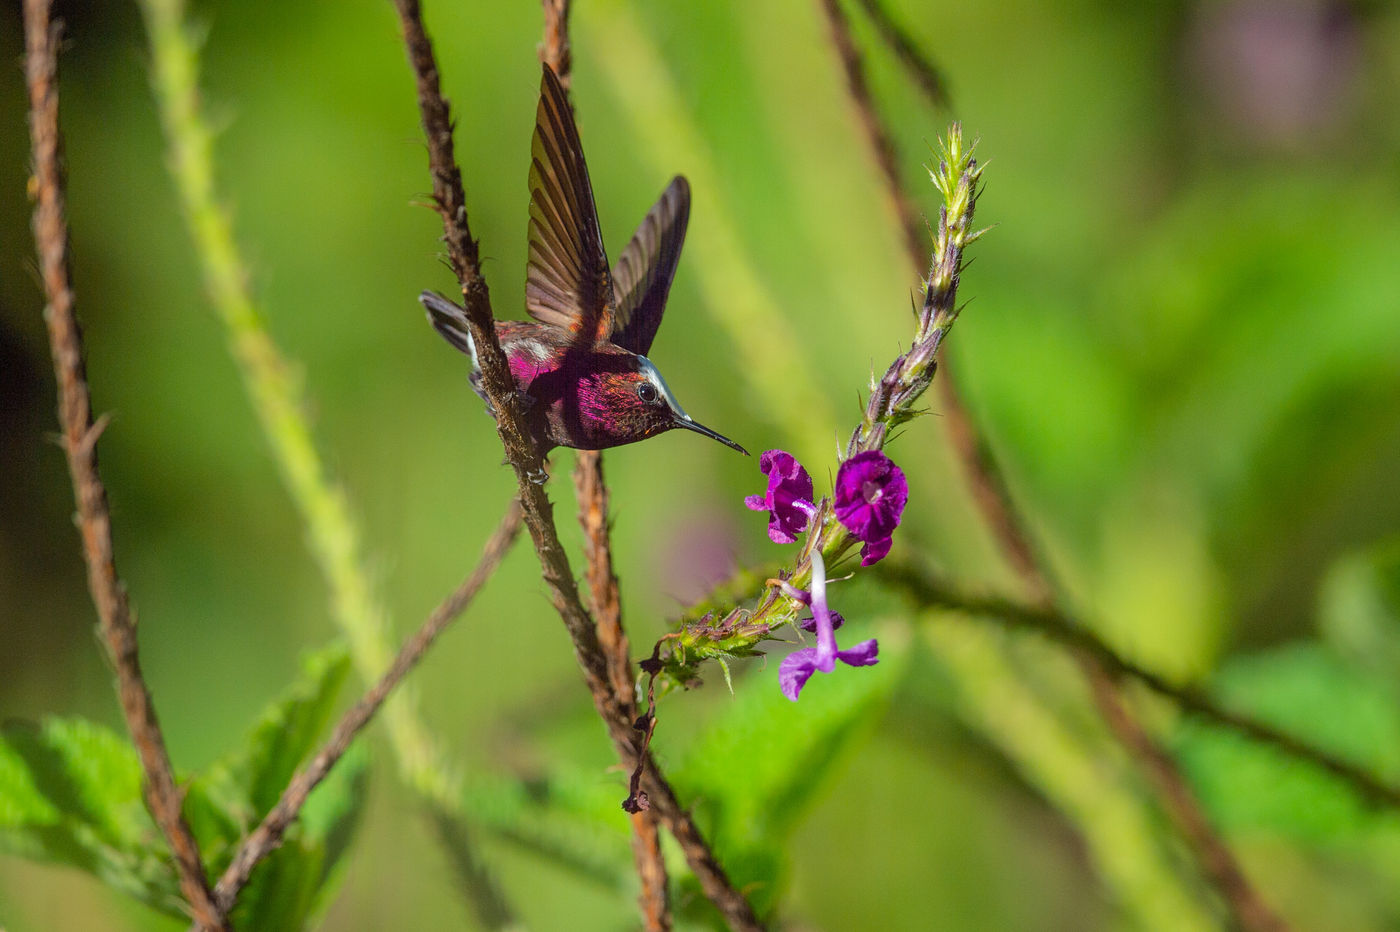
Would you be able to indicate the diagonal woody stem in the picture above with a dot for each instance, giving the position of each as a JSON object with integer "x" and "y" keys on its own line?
{"x": 592, "y": 491}
{"x": 80, "y": 434}
{"x": 268, "y": 835}
{"x": 607, "y": 610}
{"x": 925, "y": 590}
{"x": 999, "y": 512}
{"x": 528, "y": 464}
{"x": 922, "y": 69}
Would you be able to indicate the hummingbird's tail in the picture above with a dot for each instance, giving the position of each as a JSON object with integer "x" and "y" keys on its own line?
{"x": 451, "y": 321}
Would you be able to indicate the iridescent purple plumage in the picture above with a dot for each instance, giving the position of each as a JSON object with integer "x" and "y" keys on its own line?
{"x": 582, "y": 362}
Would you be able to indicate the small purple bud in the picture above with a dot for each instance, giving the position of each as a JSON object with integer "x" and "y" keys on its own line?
{"x": 810, "y": 623}
{"x": 788, "y": 499}
{"x": 869, "y": 499}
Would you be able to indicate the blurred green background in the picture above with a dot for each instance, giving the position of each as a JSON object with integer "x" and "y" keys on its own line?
{"x": 1183, "y": 339}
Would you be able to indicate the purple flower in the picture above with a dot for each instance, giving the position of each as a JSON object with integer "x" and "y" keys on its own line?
{"x": 698, "y": 554}
{"x": 869, "y": 498}
{"x": 788, "y": 499}
{"x": 797, "y": 667}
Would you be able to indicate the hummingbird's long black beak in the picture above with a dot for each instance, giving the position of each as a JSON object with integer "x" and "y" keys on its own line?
{"x": 699, "y": 428}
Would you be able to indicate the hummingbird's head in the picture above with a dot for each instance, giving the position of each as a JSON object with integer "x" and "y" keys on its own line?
{"x": 635, "y": 403}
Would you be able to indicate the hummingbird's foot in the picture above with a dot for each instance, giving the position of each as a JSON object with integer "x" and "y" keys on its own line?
{"x": 524, "y": 401}
{"x": 538, "y": 475}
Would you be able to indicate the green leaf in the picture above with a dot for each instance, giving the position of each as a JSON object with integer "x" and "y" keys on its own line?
{"x": 232, "y": 795}
{"x": 1360, "y": 608}
{"x": 753, "y": 773}
{"x": 297, "y": 882}
{"x": 84, "y": 771}
{"x": 571, "y": 818}
{"x": 289, "y": 729}
{"x": 70, "y": 793}
{"x": 225, "y": 801}
{"x": 1309, "y": 691}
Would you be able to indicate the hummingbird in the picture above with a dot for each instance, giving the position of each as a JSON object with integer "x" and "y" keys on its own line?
{"x": 582, "y": 363}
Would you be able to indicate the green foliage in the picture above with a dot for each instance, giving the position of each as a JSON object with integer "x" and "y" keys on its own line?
{"x": 1181, "y": 343}
{"x": 567, "y": 817}
{"x": 757, "y": 768}
{"x": 234, "y": 793}
{"x": 1311, "y": 692}
{"x": 1360, "y": 611}
{"x": 295, "y": 883}
{"x": 70, "y": 793}
{"x": 283, "y": 735}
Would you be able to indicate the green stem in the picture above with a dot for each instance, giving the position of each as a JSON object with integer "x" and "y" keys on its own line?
{"x": 278, "y": 395}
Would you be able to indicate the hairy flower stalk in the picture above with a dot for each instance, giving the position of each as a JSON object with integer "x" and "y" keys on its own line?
{"x": 893, "y": 401}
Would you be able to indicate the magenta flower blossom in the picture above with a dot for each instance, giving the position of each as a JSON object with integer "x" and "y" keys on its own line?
{"x": 788, "y": 499}
{"x": 869, "y": 498}
{"x": 797, "y": 667}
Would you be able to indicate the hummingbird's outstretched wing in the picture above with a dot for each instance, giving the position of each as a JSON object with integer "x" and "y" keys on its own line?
{"x": 567, "y": 282}
{"x": 642, "y": 278}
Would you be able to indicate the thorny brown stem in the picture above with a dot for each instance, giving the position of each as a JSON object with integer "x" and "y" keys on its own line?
{"x": 592, "y": 491}
{"x": 268, "y": 835}
{"x": 556, "y": 50}
{"x": 921, "y": 68}
{"x": 999, "y": 512}
{"x": 525, "y": 459}
{"x": 80, "y": 434}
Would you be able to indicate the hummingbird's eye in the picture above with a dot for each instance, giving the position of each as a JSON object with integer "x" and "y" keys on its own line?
{"x": 647, "y": 392}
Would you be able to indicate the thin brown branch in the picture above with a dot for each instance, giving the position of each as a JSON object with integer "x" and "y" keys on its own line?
{"x": 592, "y": 493}
{"x": 999, "y": 512}
{"x": 1250, "y": 912}
{"x": 927, "y": 75}
{"x": 268, "y": 835}
{"x": 528, "y": 465}
{"x": 926, "y": 591}
{"x": 914, "y": 230}
{"x": 116, "y": 620}
{"x": 556, "y": 50}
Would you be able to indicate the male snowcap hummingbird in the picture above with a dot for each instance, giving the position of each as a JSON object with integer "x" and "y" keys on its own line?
{"x": 583, "y": 363}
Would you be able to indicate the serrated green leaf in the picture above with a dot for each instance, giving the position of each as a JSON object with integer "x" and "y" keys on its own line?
{"x": 1309, "y": 691}
{"x": 756, "y": 770}
{"x": 291, "y": 727}
{"x": 86, "y": 772}
{"x": 236, "y": 791}
{"x": 223, "y": 803}
{"x": 295, "y": 884}
{"x": 21, "y": 801}
{"x": 70, "y": 793}
{"x": 332, "y": 816}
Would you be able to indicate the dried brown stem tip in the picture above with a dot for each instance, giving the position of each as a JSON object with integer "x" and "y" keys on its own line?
{"x": 80, "y": 433}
